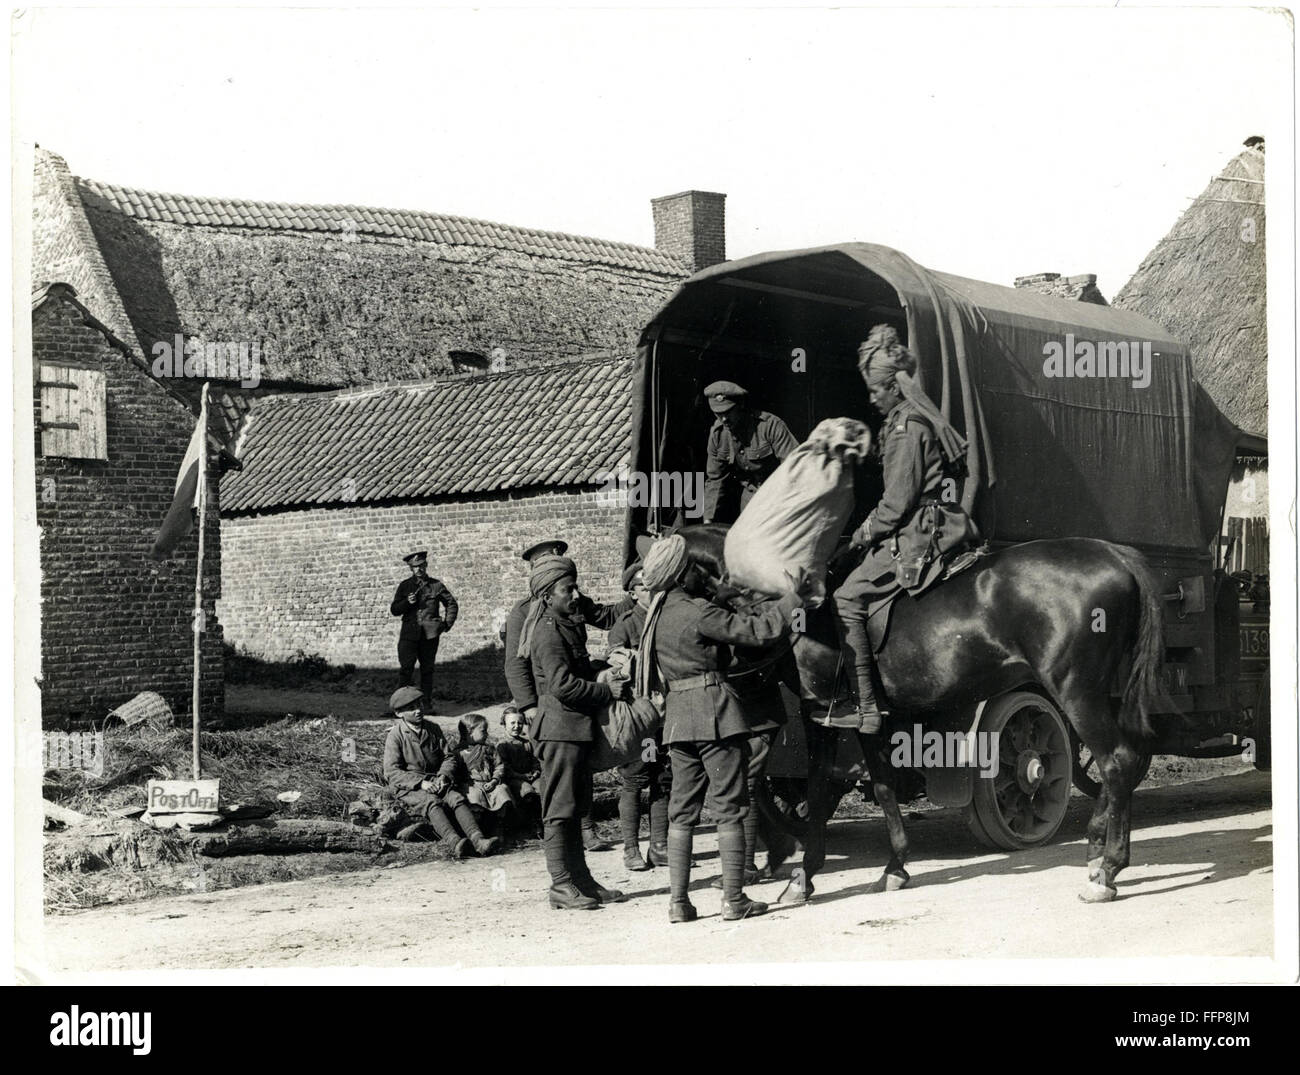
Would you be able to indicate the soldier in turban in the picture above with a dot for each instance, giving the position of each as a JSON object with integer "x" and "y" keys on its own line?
{"x": 554, "y": 640}
{"x": 918, "y": 449}
{"x": 519, "y": 672}
{"x": 706, "y": 726}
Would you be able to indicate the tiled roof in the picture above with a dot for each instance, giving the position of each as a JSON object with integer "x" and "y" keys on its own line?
{"x": 359, "y": 220}
{"x": 461, "y": 435}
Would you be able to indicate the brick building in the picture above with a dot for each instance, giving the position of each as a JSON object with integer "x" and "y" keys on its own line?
{"x": 331, "y": 297}
{"x": 338, "y": 487}
{"x": 109, "y": 442}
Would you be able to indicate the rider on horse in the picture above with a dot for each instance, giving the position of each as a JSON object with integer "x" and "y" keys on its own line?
{"x": 909, "y": 528}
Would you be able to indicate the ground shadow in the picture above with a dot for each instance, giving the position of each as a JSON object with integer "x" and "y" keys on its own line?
{"x": 863, "y": 845}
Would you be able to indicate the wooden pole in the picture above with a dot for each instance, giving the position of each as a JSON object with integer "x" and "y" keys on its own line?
{"x": 199, "y": 624}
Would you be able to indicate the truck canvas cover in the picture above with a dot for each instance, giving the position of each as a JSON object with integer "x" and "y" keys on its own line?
{"x": 1082, "y": 420}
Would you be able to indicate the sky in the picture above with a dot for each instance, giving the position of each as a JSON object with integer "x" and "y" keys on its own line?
{"x": 989, "y": 143}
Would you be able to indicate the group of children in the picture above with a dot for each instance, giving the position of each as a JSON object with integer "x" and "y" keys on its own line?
{"x": 500, "y": 778}
{"x": 476, "y": 794}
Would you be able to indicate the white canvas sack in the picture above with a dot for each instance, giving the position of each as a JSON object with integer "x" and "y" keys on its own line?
{"x": 794, "y": 521}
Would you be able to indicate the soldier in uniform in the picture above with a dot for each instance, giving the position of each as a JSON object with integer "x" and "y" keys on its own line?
{"x": 705, "y": 727}
{"x": 744, "y": 447}
{"x": 519, "y": 672}
{"x": 420, "y": 771}
{"x": 554, "y": 640}
{"x": 917, "y": 448}
{"x": 427, "y": 609}
{"x": 650, "y": 772}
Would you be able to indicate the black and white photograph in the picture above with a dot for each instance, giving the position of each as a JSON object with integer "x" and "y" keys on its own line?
{"x": 668, "y": 495}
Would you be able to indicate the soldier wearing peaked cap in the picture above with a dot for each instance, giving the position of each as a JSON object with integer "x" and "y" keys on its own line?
{"x": 427, "y": 609}
{"x": 745, "y": 446}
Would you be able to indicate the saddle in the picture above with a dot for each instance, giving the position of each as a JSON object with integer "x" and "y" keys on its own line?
{"x": 879, "y": 610}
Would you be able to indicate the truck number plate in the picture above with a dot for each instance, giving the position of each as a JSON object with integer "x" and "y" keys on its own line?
{"x": 1254, "y": 641}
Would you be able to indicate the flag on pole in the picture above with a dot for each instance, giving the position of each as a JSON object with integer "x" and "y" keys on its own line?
{"x": 180, "y": 516}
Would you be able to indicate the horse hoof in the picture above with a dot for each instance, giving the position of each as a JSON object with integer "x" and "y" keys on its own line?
{"x": 895, "y": 881}
{"x": 1095, "y": 892}
{"x": 793, "y": 895}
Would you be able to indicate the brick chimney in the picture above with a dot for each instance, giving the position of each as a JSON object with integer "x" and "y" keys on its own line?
{"x": 691, "y": 226}
{"x": 1081, "y": 288}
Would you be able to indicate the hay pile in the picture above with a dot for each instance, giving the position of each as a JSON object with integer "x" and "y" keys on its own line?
{"x": 254, "y": 766}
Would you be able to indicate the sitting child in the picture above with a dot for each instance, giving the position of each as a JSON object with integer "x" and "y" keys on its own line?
{"x": 482, "y": 774}
{"x": 523, "y": 770}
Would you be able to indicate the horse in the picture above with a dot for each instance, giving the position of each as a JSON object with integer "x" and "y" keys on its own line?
{"x": 1061, "y": 616}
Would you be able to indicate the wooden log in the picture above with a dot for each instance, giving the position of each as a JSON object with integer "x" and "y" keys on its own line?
{"x": 287, "y": 838}
{"x": 62, "y": 814}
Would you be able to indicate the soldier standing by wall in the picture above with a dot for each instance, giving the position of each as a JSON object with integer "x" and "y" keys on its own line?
{"x": 427, "y": 609}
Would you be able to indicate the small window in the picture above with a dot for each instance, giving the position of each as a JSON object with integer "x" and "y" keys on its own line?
{"x": 73, "y": 405}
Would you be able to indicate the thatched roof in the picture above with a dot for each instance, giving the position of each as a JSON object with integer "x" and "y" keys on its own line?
{"x": 1205, "y": 282}
{"x": 559, "y": 426}
{"x": 335, "y": 296}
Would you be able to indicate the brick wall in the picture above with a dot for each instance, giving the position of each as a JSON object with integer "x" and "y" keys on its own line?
{"x": 114, "y": 622}
{"x": 321, "y": 580}
{"x": 691, "y": 226}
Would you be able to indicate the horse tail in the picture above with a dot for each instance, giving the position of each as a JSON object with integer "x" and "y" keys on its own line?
{"x": 1144, "y": 689}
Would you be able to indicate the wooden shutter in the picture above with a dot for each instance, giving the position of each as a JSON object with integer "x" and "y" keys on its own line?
{"x": 73, "y": 412}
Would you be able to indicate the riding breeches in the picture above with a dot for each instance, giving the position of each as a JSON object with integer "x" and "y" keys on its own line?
{"x": 712, "y": 774}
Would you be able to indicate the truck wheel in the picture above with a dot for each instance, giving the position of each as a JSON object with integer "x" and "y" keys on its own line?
{"x": 1024, "y": 805}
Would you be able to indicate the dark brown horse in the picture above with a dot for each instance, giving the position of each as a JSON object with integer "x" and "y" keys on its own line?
{"x": 1061, "y": 617}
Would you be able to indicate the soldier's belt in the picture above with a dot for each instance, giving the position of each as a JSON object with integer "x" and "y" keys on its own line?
{"x": 691, "y": 682}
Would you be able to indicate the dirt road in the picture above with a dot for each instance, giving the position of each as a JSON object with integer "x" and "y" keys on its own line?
{"x": 1201, "y": 885}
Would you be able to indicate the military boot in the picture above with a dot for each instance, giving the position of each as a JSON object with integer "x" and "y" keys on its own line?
{"x": 731, "y": 852}
{"x": 587, "y": 884}
{"x": 483, "y": 845}
{"x": 657, "y": 852}
{"x": 680, "y": 908}
{"x": 861, "y": 662}
{"x": 629, "y": 817}
{"x": 563, "y": 894}
{"x": 591, "y": 840}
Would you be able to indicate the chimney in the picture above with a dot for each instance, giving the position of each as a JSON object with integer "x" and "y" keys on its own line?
{"x": 468, "y": 362}
{"x": 691, "y": 226}
{"x": 1081, "y": 288}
